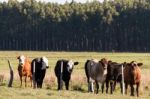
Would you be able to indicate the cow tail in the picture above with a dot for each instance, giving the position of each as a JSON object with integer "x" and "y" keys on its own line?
{"x": 86, "y": 69}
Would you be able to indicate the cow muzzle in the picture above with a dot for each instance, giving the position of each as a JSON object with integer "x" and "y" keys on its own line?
{"x": 69, "y": 70}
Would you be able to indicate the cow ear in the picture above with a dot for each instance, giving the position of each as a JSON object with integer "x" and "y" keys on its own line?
{"x": 18, "y": 57}
{"x": 124, "y": 64}
{"x": 76, "y": 63}
{"x": 109, "y": 62}
{"x": 139, "y": 64}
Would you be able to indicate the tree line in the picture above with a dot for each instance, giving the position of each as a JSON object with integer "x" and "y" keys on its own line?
{"x": 119, "y": 25}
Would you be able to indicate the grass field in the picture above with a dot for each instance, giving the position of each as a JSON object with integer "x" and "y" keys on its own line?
{"x": 78, "y": 85}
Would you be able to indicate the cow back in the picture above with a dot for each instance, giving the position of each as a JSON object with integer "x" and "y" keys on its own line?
{"x": 25, "y": 69}
{"x": 38, "y": 64}
{"x": 27, "y": 65}
{"x": 39, "y": 72}
{"x": 58, "y": 67}
{"x": 132, "y": 75}
{"x": 114, "y": 71}
{"x": 95, "y": 70}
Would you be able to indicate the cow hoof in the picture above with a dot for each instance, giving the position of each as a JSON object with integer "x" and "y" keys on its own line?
{"x": 132, "y": 94}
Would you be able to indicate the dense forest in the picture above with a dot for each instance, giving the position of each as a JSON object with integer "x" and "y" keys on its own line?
{"x": 119, "y": 25}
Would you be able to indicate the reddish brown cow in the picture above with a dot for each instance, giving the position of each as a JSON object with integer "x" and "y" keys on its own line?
{"x": 132, "y": 76}
{"x": 24, "y": 69}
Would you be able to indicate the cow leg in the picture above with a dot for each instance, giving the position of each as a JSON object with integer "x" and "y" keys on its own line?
{"x": 137, "y": 89}
{"x": 60, "y": 84}
{"x": 111, "y": 87}
{"x": 91, "y": 87}
{"x": 114, "y": 87}
{"x": 97, "y": 87}
{"x": 34, "y": 79}
{"x": 107, "y": 86}
{"x": 21, "y": 81}
{"x": 58, "y": 81}
{"x": 25, "y": 81}
{"x": 121, "y": 86}
{"x": 40, "y": 83}
{"x": 91, "y": 84}
{"x": 132, "y": 89}
{"x": 43, "y": 72}
{"x": 31, "y": 80}
{"x": 102, "y": 87}
{"x": 67, "y": 84}
{"x": 126, "y": 88}
{"x": 34, "y": 83}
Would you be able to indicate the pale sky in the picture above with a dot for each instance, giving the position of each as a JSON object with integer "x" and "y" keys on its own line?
{"x": 58, "y": 1}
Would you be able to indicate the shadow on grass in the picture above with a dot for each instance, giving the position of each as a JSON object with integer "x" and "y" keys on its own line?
{"x": 78, "y": 88}
{"x": 50, "y": 94}
{"x": 2, "y": 84}
{"x": 27, "y": 94}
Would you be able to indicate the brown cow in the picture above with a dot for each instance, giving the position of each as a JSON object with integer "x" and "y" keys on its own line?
{"x": 24, "y": 69}
{"x": 132, "y": 76}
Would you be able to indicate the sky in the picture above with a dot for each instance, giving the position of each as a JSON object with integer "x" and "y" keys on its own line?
{"x": 58, "y": 1}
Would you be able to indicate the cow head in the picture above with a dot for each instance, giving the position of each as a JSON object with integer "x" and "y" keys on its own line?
{"x": 70, "y": 65}
{"x": 134, "y": 65}
{"x": 21, "y": 60}
{"x": 104, "y": 63}
{"x": 44, "y": 63}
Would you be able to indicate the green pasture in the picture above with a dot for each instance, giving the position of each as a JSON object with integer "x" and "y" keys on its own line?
{"x": 78, "y": 85}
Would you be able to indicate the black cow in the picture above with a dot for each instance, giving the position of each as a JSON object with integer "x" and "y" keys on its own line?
{"x": 96, "y": 71}
{"x": 114, "y": 75}
{"x": 63, "y": 70}
{"x": 38, "y": 69}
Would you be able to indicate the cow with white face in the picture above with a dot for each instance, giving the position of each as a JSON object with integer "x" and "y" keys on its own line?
{"x": 63, "y": 70}
{"x": 21, "y": 60}
{"x": 38, "y": 68}
{"x": 24, "y": 69}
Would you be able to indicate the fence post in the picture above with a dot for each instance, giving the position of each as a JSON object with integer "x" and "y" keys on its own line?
{"x": 34, "y": 83}
{"x": 61, "y": 71}
{"x": 123, "y": 89}
{"x": 11, "y": 75}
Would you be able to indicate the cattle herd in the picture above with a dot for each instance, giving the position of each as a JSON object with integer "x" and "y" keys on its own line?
{"x": 97, "y": 71}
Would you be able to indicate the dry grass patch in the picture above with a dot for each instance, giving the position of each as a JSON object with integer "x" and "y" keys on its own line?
{"x": 1, "y": 79}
